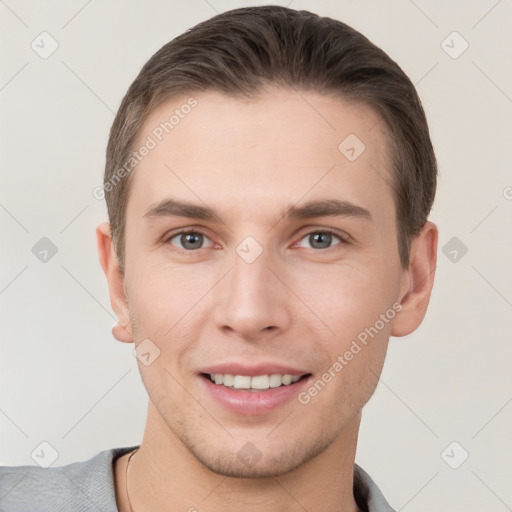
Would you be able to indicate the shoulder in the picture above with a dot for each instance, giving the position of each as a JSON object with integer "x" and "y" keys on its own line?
{"x": 367, "y": 494}
{"x": 80, "y": 486}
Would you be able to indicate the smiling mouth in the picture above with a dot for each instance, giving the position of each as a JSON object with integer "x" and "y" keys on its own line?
{"x": 254, "y": 383}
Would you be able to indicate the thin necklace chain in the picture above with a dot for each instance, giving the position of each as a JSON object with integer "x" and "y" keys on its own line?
{"x": 126, "y": 478}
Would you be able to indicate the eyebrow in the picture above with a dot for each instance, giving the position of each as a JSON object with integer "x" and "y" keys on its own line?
{"x": 318, "y": 208}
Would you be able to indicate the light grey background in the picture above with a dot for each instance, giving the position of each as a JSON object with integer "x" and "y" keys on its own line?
{"x": 65, "y": 380}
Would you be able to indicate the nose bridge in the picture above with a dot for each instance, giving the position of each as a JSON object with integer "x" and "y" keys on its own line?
{"x": 250, "y": 264}
{"x": 250, "y": 278}
{"x": 253, "y": 298}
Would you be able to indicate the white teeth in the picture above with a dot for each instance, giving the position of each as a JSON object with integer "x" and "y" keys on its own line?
{"x": 257, "y": 382}
{"x": 228, "y": 380}
{"x": 287, "y": 379}
{"x": 260, "y": 382}
{"x": 242, "y": 382}
{"x": 275, "y": 381}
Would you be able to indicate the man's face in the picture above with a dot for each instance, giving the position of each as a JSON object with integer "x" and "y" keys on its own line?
{"x": 249, "y": 287}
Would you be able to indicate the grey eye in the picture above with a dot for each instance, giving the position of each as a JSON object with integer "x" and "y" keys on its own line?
{"x": 321, "y": 239}
{"x": 190, "y": 240}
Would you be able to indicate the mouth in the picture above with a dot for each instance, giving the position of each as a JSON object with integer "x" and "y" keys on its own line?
{"x": 254, "y": 383}
{"x": 253, "y": 389}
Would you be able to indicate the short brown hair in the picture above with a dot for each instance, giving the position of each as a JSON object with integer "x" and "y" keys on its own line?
{"x": 240, "y": 51}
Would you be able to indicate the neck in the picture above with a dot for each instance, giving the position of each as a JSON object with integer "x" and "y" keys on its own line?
{"x": 165, "y": 475}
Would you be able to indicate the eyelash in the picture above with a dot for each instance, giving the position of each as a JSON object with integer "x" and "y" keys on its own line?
{"x": 343, "y": 241}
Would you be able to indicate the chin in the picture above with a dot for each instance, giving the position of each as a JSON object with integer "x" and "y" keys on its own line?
{"x": 251, "y": 462}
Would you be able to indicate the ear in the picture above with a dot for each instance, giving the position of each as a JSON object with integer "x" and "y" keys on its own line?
{"x": 123, "y": 330}
{"x": 418, "y": 280}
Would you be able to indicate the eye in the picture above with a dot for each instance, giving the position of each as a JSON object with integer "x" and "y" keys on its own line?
{"x": 189, "y": 240}
{"x": 322, "y": 239}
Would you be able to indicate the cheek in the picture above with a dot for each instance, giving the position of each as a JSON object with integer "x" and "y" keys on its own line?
{"x": 162, "y": 295}
{"x": 167, "y": 308}
{"x": 350, "y": 376}
{"x": 355, "y": 303}
{"x": 345, "y": 297}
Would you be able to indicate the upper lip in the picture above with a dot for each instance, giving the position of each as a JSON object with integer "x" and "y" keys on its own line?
{"x": 252, "y": 370}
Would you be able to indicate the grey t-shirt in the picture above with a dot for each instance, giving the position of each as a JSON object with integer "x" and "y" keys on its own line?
{"x": 88, "y": 486}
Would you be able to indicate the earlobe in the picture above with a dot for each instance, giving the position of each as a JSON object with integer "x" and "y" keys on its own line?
{"x": 122, "y": 331}
{"x": 121, "y": 334}
{"x": 420, "y": 280}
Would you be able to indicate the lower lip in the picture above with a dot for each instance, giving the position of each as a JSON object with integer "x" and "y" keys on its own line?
{"x": 253, "y": 402}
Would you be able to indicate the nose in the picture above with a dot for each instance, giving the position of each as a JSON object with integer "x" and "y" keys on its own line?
{"x": 252, "y": 300}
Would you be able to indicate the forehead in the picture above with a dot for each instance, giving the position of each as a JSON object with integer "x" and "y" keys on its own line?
{"x": 252, "y": 153}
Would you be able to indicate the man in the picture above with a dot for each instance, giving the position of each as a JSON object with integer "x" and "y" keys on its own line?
{"x": 268, "y": 180}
